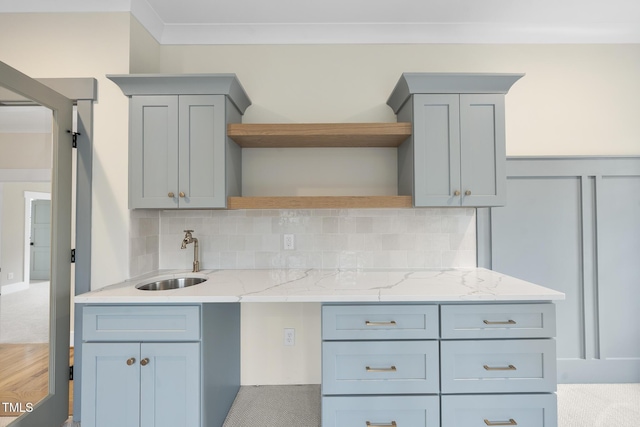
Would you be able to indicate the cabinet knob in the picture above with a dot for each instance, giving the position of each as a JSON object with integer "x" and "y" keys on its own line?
{"x": 145, "y": 361}
{"x": 171, "y": 194}
{"x": 467, "y": 193}
{"x": 182, "y": 194}
{"x": 131, "y": 361}
{"x": 456, "y": 193}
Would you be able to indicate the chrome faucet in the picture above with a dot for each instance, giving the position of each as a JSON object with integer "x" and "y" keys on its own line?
{"x": 188, "y": 238}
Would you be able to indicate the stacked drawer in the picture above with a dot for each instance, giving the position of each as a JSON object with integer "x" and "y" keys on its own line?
{"x": 375, "y": 355}
{"x": 427, "y": 365}
{"x": 498, "y": 365}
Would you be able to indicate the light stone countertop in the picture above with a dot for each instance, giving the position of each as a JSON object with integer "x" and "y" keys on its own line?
{"x": 314, "y": 285}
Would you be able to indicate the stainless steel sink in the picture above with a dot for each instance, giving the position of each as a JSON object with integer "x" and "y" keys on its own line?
{"x": 173, "y": 283}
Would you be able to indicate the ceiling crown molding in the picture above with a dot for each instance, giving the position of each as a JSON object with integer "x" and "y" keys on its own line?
{"x": 581, "y": 30}
{"x": 398, "y": 33}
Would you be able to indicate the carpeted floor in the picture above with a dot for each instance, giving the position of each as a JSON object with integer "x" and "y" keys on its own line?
{"x": 599, "y": 405}
{"x": 579, "y": 405}
{"x": 24, "y": 315}
{"x": 276, "y": 405}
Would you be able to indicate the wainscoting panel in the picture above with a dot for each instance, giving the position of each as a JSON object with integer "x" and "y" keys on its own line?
{"x": 619, "y": 266}
{"x": 573, "y": 224}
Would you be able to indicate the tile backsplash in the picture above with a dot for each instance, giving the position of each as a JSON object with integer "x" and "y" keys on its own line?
{"x": 324, "y": 238}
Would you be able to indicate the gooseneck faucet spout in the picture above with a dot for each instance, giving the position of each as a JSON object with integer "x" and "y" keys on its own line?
{"x": 188, "y": 238}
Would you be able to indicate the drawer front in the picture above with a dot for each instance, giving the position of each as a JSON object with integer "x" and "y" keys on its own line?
{"x": 500, "y": 410}
{"x": 381, "y": 411}
{"x": 141, "y": 323}
{"x": 379, "y": 322}
{"x": 395, "y": 367}
{"x": 498, "y": 366}
{"x": 498, "y": 321}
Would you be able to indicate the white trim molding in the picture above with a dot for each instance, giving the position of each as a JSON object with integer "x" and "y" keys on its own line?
{"x": 393, "y": 33}
{"x": 545, "y": 23}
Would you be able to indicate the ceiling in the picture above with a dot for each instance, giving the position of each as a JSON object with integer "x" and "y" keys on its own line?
{"x": 367, "y": 21}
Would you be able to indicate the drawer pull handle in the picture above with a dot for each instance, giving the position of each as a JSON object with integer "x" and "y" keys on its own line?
{"x": 508, "y": 322}
{"x": 131, "y": 361}
{"x": 390, "y": 323}
{"x": 391, "y": 369}
{"x": 511, "y": 422}
{"x": 393, "y": 424}
{"x": 500, "y": 368}
{"x": 145, "y": 361}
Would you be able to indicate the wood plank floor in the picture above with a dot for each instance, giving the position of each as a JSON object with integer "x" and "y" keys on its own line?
{"x": 24, "y": 375}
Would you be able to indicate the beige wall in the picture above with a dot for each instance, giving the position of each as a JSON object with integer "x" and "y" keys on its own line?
{"x": 574, "y": 100}
{"x": 25, "y": 150}
{"x": 13, "y": 227}
{"x": 86, "y": 45}
{"x": 144, "y": 54}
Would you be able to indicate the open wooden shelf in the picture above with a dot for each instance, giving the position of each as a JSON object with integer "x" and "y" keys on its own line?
{"x": 319, "y": 202}
{"x": 307, "y": 135}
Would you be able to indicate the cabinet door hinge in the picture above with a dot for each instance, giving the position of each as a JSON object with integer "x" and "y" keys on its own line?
{"x": 71, "y": 373}
{"x": 74, "y": 140}
{"x": 73, "y": 255}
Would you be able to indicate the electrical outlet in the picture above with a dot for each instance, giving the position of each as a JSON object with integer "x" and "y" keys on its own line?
{"x": 289, "y": 336}
{"x": 9, "y": 276}
{"x": 289, "y": 242}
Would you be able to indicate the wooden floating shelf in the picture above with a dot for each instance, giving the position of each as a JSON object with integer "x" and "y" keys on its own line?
{"x": 319, "y": 202}
{"x": 308, "y": 135}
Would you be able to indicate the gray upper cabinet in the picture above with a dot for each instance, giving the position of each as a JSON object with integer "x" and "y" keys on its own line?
{"x": 456, "y": 154}
{"x": 179, "y": 152}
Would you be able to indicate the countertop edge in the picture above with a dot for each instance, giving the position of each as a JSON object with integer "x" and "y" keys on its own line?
{"x": 466, "y": 285}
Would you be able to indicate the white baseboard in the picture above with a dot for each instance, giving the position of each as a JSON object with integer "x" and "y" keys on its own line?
{"x": 14, "y": 287}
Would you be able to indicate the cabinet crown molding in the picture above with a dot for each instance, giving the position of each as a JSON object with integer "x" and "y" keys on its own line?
{"x": 437, "y": 83}
{"x": 184, "y": 84}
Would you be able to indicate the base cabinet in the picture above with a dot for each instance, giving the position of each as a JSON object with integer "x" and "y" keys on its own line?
{"x": 159, "y": 366}
{"x": 141, "y": 384}
{"x": 461, "y": 365}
